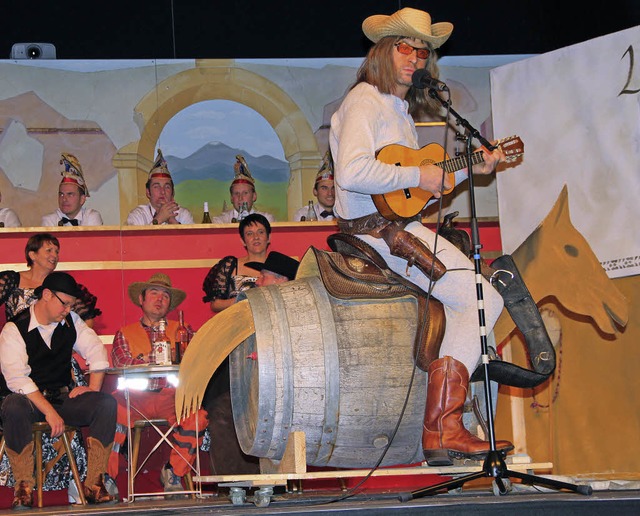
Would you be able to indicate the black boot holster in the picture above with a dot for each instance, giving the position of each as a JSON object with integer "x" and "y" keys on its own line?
{"x": 525, "y": 314}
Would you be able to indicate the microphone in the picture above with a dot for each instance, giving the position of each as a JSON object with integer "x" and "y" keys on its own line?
{"x": 421, "y": 79}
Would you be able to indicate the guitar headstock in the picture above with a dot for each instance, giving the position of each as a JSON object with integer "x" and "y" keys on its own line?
{"x": 512, "y": 146}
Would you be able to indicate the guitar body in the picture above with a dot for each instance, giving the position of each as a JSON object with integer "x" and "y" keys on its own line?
{"x": 409, "y": 202}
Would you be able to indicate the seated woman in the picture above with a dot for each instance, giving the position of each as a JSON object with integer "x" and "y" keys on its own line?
{"x": 17, "y": 294}
{"x": 223, "y": 283}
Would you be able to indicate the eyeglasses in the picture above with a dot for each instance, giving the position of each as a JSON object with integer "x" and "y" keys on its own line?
{"x": 406, "y": 49}
{"x": 68, "y": 304}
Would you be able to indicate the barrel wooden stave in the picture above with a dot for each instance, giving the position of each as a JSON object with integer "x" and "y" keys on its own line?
{"x": 337, "y": 370}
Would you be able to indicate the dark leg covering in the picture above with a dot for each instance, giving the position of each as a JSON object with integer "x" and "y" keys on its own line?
{"x": 525, "y": 314}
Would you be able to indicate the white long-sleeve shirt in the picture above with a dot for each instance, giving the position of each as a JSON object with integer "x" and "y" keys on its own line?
{"x": 9, "y": 218}
{"x": 318, "y": 208}
{"x": 372, "y": 120}
{"x": 85, "y": 217}
{"x": 227, "y": 217}
{"x": 143, "y": 216}
{"x": 14, "y": 360}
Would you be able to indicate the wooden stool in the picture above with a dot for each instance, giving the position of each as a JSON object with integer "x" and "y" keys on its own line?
{"x": 38, "y": 429}
{"x": 138, "y": 426}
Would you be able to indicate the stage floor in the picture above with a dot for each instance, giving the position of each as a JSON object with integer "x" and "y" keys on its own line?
{"x": 473, "y": 499}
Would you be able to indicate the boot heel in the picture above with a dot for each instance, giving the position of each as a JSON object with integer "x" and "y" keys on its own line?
{"x": 438, "y": 457}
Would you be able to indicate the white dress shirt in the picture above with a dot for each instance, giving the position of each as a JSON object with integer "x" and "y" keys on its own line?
{"x": 227, "y": 217}
{"x": 15, "y": 361}
{"x": 318, "y": 208}
{"x": 85, "y": 217}
{"x": 143, "y": 216}
{"x": 9, "y": 218}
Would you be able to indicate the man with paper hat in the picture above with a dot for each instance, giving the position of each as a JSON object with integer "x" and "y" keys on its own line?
{"x": 72, "y": 194}
{"x": 323, "y": 190}
{"x": 162, "y": 207}
{"x": 243, "y": 195}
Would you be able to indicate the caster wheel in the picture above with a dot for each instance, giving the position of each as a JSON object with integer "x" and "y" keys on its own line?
{"x": 237, "y": 495}
{"x": 262, "y": 497}
{"x": 501, "y": 492}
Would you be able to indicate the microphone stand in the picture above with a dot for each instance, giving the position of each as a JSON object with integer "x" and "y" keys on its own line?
{"x": 494, "y": 464}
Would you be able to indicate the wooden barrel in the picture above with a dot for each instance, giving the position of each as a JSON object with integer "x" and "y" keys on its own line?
{"x": 338, "y": 370}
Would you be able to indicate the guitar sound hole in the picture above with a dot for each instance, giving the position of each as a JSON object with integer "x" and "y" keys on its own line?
{"x": 407, "y": 193}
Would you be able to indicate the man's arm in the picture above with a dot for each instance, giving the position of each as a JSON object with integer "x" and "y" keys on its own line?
{"x": 137, "y": 217}
{"x": 184, "y": 216}
{"x": 52, "y": 417}
{"x": 121, "y": 352}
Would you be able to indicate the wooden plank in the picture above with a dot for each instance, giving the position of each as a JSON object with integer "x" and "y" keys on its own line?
{"x": 278, "y": 478}
{"x": 294, "y": 458}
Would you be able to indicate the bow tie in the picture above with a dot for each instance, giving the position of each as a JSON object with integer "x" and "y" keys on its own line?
{"x": 64, "y": 220}
{"x": 326, "y": 214}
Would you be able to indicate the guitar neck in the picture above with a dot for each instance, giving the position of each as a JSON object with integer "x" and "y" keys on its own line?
{"x": 455, "y": 164}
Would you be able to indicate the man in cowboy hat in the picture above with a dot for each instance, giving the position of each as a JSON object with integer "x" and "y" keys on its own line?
{"x": 132, "y": 345}
{"x": 72, "y": 194}
{"x": 324, "y": 191}
{"x": 243, "y": 195}
{"x": 35, "y": 352}
{"x": 162, "y": 207}
{"x": 277, "y": 268}
{"x": 405, "y": 42}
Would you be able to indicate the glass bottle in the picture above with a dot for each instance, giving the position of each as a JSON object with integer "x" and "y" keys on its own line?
{"x": 162, "y": 345}
{"x": 206, "y": 218}
{"x": 182, "y": 339}
{"x": 311, "y": 213}
{"x": 244, "y": 211}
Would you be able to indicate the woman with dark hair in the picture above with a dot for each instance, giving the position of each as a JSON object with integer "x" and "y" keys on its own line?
{"x": 17, "y": 294}
{"x": 223, "y": 283}
{"x": 227, "y": 278}
{"x": 17, "y": 288}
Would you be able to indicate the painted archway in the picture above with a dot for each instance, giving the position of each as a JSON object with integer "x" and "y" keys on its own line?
{"x": 217, "y": 80}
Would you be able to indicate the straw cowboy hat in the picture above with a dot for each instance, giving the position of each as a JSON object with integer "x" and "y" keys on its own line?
{"x": 408, "y": 23}
{"x": 158, "y": 280}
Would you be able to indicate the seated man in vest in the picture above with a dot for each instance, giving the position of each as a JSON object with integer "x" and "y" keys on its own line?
{"x": 35, "y": 353}
{"x": 131, "y": 346}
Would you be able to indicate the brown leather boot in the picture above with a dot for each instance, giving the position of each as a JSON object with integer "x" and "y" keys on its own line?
{"x": 98, "y": 456}
{"x": 444, "y": 436}
{"x": 22, "y": 467}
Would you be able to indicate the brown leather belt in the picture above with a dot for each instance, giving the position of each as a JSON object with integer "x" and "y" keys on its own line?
{"x": 401, "y": 243}
{"x": 371, "y": 224}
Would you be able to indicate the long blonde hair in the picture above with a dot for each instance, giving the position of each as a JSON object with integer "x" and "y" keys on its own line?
{"x": 378, "y": 70}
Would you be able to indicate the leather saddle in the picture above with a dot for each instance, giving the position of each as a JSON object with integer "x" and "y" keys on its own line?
{"x": 354, "y": 270}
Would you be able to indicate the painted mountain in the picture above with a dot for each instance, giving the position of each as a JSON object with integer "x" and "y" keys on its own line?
{"x": 208, "y": 172}
{"x": 215, "y": 161}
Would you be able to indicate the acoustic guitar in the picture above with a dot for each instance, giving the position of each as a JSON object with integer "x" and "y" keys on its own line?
{"x": 409, "y": 202}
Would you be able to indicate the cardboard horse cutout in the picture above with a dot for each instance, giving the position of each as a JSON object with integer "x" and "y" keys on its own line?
{"x": 557, "y": 262}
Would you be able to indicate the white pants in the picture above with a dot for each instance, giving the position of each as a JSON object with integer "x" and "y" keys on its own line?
{"x": 456, "y": 290}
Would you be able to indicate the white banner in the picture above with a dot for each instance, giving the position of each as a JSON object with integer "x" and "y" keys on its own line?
{"x": 577, "y": 110}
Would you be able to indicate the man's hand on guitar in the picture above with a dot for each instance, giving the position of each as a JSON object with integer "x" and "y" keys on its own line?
{"x": 431, "y": 180}
{"x": 491, "y": 160}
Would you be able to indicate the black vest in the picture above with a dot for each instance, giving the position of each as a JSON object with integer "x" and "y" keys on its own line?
{"x": 50, "y": 368}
